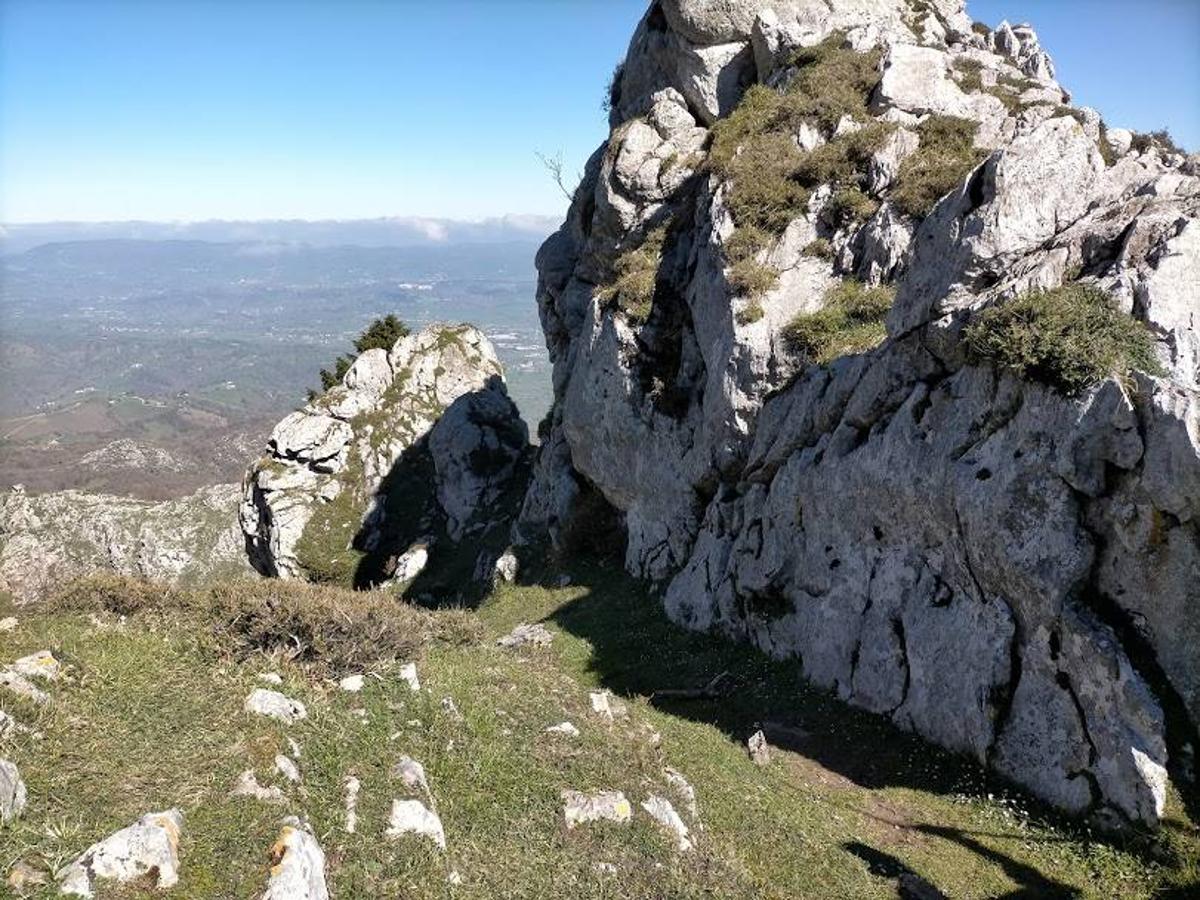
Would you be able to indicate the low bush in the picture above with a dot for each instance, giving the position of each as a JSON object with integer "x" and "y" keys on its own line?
{"x": 1069, "y": 338}
{"x": 750, "y": 313}
{"x": 1160, "y": 140}
{"x": 331, "y": 628}
{"x": 750, "y": 278}
{"x": 944, "y": 158}
{"x": 850, "y": 321}
{"x": 970, "y": 74}
{"x": 849, "y": 205}
{"x": 819, "y": 248}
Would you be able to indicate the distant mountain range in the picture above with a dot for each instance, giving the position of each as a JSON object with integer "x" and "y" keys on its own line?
{"x": 402, "y": 231}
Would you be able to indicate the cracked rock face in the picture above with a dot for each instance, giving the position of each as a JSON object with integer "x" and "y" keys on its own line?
{"x": 46, "y": 540}
{"x": 417, "y": 444}
{"x": 1004, "y": 569}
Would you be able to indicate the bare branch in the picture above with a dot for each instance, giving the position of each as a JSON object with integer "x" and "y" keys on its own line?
{"x": 554, "y": 165}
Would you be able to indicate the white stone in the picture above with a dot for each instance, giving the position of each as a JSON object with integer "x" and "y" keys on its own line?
{"x": 270, "y": 678}
{"x": 412, "y": 773}
{"x": 247, "y": 786}
{"x": 506, "y": 567}
{"x": 8, "y": 623}
{"x": 22, "y": 687}
{"x": 41, "y": 665}
{"x": 275, "y": 705}
{"x": 297, "y": 866}
{"x": 287, "y": 768}
{"x": 413, "y": 817}
{"x": 353, "y": 786}
{"x": 759, "y": 750}
{"x": 351, "y": 684}
{"x": 607, "y": 706}
{"x": 13, "y": 795}
{"x": 565, "y": 728}
{"x": 580, "y": 808}
{"x": 148, "y": 847}
{"x": 536, "y": 635}
{"x": 662, "y": 812}
{"x": 408, "y": 674}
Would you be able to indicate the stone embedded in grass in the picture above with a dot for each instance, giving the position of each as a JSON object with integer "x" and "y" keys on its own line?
{"x": 297, "y": 865}
{"x": 275, "y": 705}
{"x": 580, "y": 808}
{"x": 662, "y": 812}
{"x": 150, "y": 846}
{"x": 563, "y": 728}
{"x": 351, "y": 684}
{"x": 607, "y": 706}
{"x": 412, "y": 773}
{"x": 686, "y": 793}
{"x": 414, "y": 817}
{"x": 758, "y": 749}
{"x": 23, "y": 876}
{"x": 22, "y": 687}
{"x": 536, "y": 634}
{"x": 41, "y": 665}
{"x": 247, "y": 786}
{"x": 411, "y": 563}
{"x": 408, "y": 674}
{"x": 270, "y": 677}
{"x": 12, "y": 791}
{"x": 287, "y": 768}
{"x": 451, "y": 709}
{"x": 353, "y": 785}
{"x": 506, "y": 568}
{"x": 8, "y": 623}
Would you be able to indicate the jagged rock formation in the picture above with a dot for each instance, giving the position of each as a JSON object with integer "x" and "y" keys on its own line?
{"x": 1000, "y": 565}
{"x": 419, "y": 457}
{"x": 48, "y": 539}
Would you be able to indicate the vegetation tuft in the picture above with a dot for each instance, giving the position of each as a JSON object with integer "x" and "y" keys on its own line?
{"x": 380, "y": 334}
{"x": 851, "y": 321}
{"x": 634, "y": 276}
{"x": 1069, "y": 338}
{"x": 769, "y": 177}
{"x": 944, "y": 158}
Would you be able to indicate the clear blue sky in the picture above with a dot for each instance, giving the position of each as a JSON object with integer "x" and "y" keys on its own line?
{"x": 195, "y": 109}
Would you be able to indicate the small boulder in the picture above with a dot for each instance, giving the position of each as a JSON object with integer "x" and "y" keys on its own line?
{"x": 536, "y": 635}
{"x": 22, "y": 687}
{"x": 247, "y": 786}
{"x": 580, "y": 808}
{"x": 8, "y": 623}
{"x": 408, "y": 674}
{"x": 12, "y": 791}
{"x": 23, "y": 876}
{"x": 351, "y": 684}
{"x": 565, "y": 728}
{"x": 607, "y": 706}
{"x": 275, "y": 705}
{"x": 353, "y": 785}
{"x": 506, "y": 568}
{"x": 662, "y": 812}
{"x": 150, "y": 846}
{"x": 412, "y": 773}
{"x": 686, "y": 793}
{"x": 41, "y": 665}
{"x": 413, "y": 817}
{"x": 759, "y": 750}
{"x": 287, "y": 768}
{"x": 297, "y": 865}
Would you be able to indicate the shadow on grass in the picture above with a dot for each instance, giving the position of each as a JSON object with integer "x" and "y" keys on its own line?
{"x": 637, "y": 651}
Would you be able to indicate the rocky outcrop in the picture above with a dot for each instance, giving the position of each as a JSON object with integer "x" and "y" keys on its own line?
{"x": 48, "y": 539}
{"x": 417, "y": 458}
{"x": 1002, "y": 567}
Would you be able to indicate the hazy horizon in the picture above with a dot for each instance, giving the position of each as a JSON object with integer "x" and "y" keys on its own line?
{"x": 195, "y": 111}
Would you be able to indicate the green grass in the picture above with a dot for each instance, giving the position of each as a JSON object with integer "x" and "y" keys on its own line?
{"x": 943, "y": 159}
{"x": 851, "y": 320}
{"x": 769, "y": 179}
{"x": 152, "y": 718}
{"x": 1070, "y": 338}
{"x": 634, "y": 275}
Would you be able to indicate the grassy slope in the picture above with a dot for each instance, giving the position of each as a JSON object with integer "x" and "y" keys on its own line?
{"x": 153, "y": 718}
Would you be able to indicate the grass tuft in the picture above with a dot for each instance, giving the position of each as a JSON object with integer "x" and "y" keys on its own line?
{"x": 944, "y": 158}
{"x": 851, "y": 321}
{"x": 1070, "y": 338}
{"x": 635, "y": 273}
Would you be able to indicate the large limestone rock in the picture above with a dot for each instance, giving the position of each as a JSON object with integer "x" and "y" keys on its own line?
{"x": 419, "y": 448}
{"x": 1004, "y": 569}
{"x": 149, "y": 847}
{"x": 47, "y": 540}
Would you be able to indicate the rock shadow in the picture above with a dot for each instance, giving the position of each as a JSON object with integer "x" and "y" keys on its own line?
{"x": 638, "y": 651}
{"x": 408, "y": 519}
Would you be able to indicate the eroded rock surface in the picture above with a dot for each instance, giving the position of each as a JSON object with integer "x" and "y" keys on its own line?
{"x": 46, "y": 540}
{"x": 150, "y": 846}
{"x": 417, "y": 455}
{"x": 1001, "y": 567}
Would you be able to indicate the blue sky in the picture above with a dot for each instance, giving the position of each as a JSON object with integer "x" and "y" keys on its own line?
{"x": 198, "y": 109}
